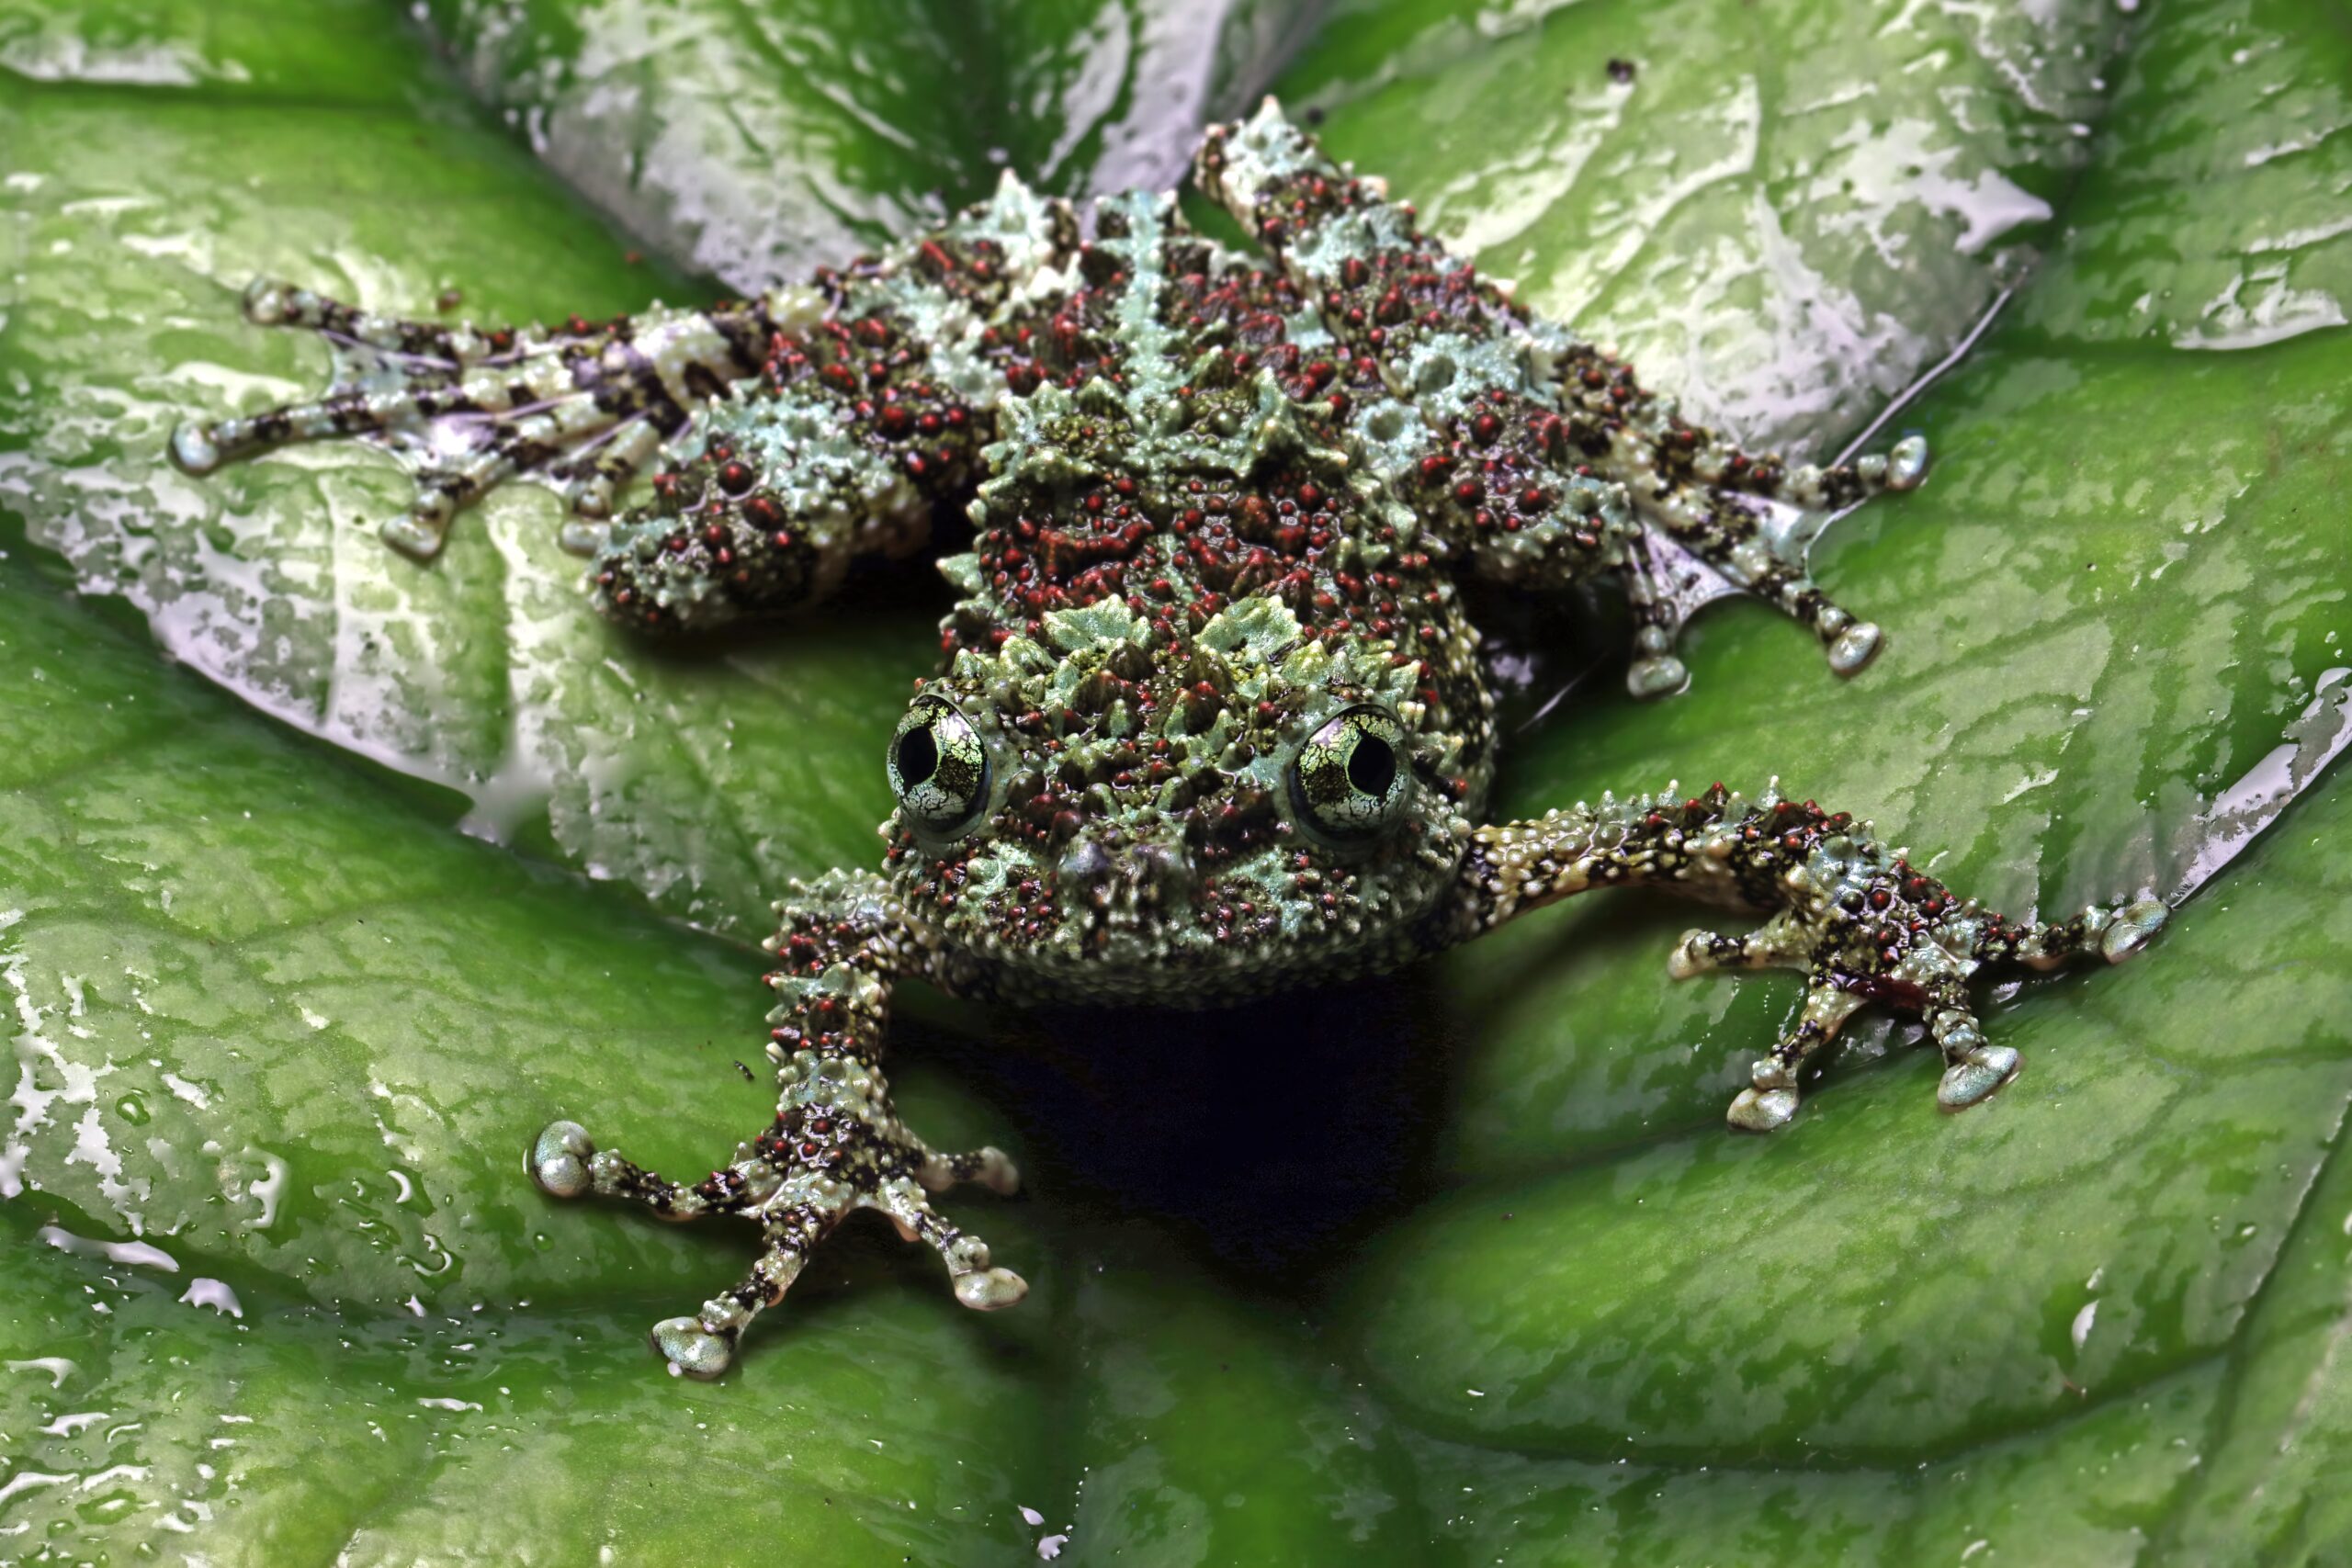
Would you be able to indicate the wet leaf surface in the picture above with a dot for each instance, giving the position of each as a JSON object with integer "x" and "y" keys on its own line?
{"x": 1504, "y": 1288}
{"x": 756, "y": 140}
{"x": 264, "y": 1180}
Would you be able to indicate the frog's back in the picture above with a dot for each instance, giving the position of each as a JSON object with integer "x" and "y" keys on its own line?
{"x": 1179, "y": 574}
{"x": 1171, "y": 430}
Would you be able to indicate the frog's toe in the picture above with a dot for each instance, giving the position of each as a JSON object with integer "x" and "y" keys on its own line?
{"x": 194, "y": 450}
{"x": 987, "y": 1289}
{"x": 2131, "y": 928}
{"x": 1906, "y": 464}
{"x": 1770, "y": 1100}
{"x": 1658, "y": 675}
{"x": 1977, "y": 1075}
{"x": 1782, "y": 942}
{"x": 1762, "y": 1110}
{"x": 693, "y": 1351}
{"x": 1702, "y": 953}
{"x": 976, "y": 1282}
{"x": 270, "y": 303}
{"x": 417, "y": 537}
{"x": 1855, "y": 646}
{"x": 559, "y": 1159}
{"x": 583, "y": 538}
{"x": 989, "y": 1168}
{"x": 1975, "y": 1069}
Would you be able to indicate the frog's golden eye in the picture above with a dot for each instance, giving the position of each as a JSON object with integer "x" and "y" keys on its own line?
{"x": 1350, "y": 780}
{"x": 939, "y": 767}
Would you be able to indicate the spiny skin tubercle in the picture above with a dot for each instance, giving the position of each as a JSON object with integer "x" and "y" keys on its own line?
{"x": 1220, "y": 503}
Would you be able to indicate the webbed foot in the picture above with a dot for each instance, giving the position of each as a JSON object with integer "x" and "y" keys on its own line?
{"x": 1715, "y": 518}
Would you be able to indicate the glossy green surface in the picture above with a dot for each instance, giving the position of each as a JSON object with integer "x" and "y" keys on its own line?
{"x": 1514, "y": 1295}
{"x": 758, "y": 140}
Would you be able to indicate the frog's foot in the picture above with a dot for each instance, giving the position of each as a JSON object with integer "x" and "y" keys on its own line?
{"x": 1781, "y": 942}
{"x": 1864, "y": 927}
{"x": 820, "y": 1162}
{"x": 1715, "y": 514}
{"x": 1698, "y": 537}
{"x": 581, "y": 407}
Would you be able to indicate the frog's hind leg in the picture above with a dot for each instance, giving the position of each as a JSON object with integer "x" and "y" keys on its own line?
{"x": 1563, "y": 415}
{"x": 763, "y": 507}
{"x": 582, "y": 407}
{"x": 1749, "y": 519}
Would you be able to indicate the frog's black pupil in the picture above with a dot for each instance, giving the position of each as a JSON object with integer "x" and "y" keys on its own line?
{"x": 918, "y": 756}
{"x": 1371, "y": 766}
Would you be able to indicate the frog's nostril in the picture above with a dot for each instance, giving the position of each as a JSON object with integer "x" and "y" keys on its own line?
{"x": 1127, "y": 878}
{"x": 1155, "y": 866}
{"x": 1085, "y": 869}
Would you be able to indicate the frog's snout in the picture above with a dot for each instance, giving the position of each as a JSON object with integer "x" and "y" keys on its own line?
{"x": 1123, "y": 880}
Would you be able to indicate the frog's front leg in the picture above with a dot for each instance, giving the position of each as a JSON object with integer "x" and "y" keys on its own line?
{"x": 836, "y": 1145}
{"x": 1848, "y": 912}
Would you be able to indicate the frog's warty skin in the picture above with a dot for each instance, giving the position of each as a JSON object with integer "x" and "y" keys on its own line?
{"x": 836, "y": 1145}
{"x": 1849, "y": 913}
{"x": 1209, "y": 718}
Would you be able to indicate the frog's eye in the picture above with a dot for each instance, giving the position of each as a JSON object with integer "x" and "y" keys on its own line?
{"x": 1350, "y": 780}
{"x": 939, "y": 767}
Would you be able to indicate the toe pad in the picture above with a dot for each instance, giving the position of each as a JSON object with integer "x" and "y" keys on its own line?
{"x": 559, "y": 1159}
{"x": 1975, "y": 1077}
{"x": 691, "y": 1350}
{"x": 989, "y": 1288}
{"x": 1762, "y": 1110}
{"x": 2133, "y": 927}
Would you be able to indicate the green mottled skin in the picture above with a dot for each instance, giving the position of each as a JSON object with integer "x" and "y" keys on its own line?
{"x": 1211, "y": 719}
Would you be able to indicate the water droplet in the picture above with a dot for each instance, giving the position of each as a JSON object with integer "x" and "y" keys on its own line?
{"x": 215, "y": 1294}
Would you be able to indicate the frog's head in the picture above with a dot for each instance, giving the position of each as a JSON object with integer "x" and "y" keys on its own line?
{"x": 1111, "y": 813}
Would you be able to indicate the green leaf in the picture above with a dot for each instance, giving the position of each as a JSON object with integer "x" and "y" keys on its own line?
{"x": 272, "y": 1023}
{"x": 1785, "y": 214}
{"x": 1453, "y": 1268}
{"x": 757, "y": 142}
{"x": 687, "y": 778}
